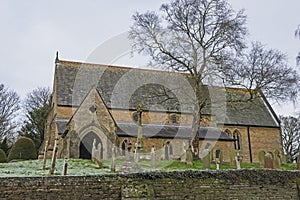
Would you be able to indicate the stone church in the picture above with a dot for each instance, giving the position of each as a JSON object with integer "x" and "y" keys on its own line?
{"x": 93, "y": 103}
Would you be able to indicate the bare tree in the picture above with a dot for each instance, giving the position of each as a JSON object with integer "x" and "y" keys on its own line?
{"x": 297, "y": 35}
{"x": 262, "y": 71}
{"x": 290, "y": 135}
{"x": 191, "y": 36}
{"x": 37, "y": 106}
{"x": 9, "y": 106}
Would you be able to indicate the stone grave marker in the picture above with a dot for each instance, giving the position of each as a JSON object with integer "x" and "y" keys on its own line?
{"x": 238, "y": 160}
{"x": 153, "y": 158}
{"x": 206, "y": 159}
{"x": 65, "y": 167}
{"x": 183, "y": 156}
{"x": 268, "y": 161}
{"x": 261, "y": 158}
{"x": 283, "y": 160}
{"x": 94, "y": 149}
{"x": 218, "y": 158}
{"x": 277, "y": 160}
{"x": 189, "y": 156}
{"x": 113, "y": 163}
{"x": 232, "y": 158}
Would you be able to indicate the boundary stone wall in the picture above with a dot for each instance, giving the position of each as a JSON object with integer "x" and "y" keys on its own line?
{"x": 227, "y": 184}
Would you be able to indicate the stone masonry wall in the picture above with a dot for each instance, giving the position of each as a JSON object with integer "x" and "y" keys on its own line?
{"x": 231, "y": 184}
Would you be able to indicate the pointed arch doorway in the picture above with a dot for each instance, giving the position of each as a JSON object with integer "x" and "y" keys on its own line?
{"x": 86, "y": 145}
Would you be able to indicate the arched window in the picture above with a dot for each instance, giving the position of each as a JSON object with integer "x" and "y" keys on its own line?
{"x": 123, "y": 147}
{"x": 168, "y": 150}
{"x": 228, "y": 132}
{"x": 237, "y": 142}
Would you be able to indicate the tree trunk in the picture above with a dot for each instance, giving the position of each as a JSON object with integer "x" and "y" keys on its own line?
{"x": 196, "y": 121}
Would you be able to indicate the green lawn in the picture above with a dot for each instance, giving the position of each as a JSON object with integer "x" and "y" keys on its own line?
{"x": 87, "y": 167}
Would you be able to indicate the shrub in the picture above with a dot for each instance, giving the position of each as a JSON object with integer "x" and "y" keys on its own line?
{"x": 23, "y": 149}
{"x": 3, "y": 157}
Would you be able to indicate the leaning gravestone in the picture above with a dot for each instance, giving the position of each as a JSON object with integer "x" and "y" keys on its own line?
{"x": 268, "y": 161}
{"x": 277, "y": 160}
{"x": 261, "y": 158}
{"x": 206, "y": 159}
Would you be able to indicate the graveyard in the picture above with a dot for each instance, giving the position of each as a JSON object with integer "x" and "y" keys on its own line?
{"x": 82, "y": 167}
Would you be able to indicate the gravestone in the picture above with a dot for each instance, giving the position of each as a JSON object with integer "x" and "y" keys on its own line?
{"x": 189, "y": 156}
{"x": 206, "y": 159}
{"x": 238, "y": 160}
{"x": 94, "y": 149}
{"x": 268, "y": 161}
{"x": 45, "y": 155}
{"x": 183, "y": 156}
{"x": 113, "y": 163}
{"x": 218, "y": 158}
{"x": 54, "y": 155}
{"x": 65, "y": 167}
{"x": 98, "y": 152}
{"x": 277, "y": 160}
{"x": 232, "y": 158}
{"x": 261, "y": 158}
{"x": 153, "y": 158}
{"x": 283, "y": 160}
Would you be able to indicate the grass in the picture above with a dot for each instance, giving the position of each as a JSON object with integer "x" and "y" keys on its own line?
{"x": 81, "y": 167}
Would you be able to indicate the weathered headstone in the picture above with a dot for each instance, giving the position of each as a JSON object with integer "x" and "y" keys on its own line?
{"x": 65, "y": 167}
{"x": 232, "y": 158}
{"x": 261, "y": 158}
{"x": 183, "y": 155}
{"x": 218, "y": 158}
{"x": 153, "y": 158}
{"x": 238, "y": 160}
{"x": 98, "y": 152}
{"x": 268, "y": 161}
{"x": 206, "y": 159}
{"x": 277, "y": 160}
{"x": 94, "y": 149}
{"x": 45, "y": 155}
{"x": 113, "y": 163}
{"x": 189, "y": 156}
{"x": 54, "y": 154}
{"x": 283, "y": 160}
{"x": 162, "y": 156}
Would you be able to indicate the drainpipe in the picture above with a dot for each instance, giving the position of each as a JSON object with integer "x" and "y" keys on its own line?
{"x": 249, "y": 143}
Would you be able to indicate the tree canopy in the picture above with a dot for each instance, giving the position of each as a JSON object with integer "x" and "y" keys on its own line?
{"x": 9, "y": 106}
{"x": 207, "y": 40}
{"x": 290, "y": 135}
{"x": 37, "y": 106}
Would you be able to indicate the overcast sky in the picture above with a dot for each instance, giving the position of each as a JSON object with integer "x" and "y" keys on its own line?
{"x": 33, "y": 30}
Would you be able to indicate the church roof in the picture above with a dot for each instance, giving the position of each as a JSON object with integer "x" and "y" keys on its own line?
{"x": 125, "y": 88}
{"x": 171, "y": 132}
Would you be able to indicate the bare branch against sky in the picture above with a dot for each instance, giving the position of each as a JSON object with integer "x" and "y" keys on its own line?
{"x": 32, "y": 31}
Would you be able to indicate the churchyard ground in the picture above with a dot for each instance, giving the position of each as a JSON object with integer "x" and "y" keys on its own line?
{"x": 81, "y": 167}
